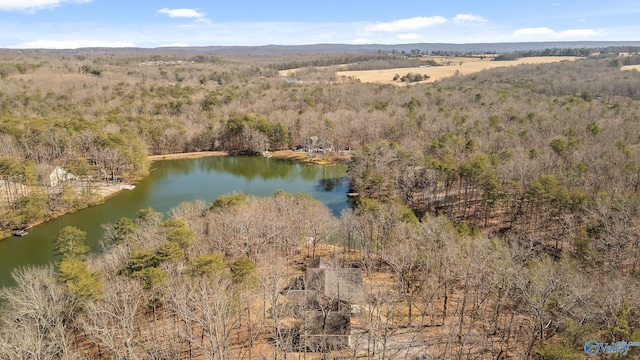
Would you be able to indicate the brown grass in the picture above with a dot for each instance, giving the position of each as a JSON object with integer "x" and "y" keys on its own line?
{"x": 631, "y": 67}
{"x": 190, "y": 155}
{"x": 451, "y": 66}
{"x": 305, "y": 157}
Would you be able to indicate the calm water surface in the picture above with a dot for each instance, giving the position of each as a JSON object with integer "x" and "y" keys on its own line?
{"x": 176, "y": 181}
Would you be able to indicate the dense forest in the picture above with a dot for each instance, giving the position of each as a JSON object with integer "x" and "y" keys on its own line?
{"x": 498, "y": 213}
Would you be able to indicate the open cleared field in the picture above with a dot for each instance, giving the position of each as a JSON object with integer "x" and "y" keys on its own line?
{"x": 631, "y": 67}
{"x": 460, "y": 65}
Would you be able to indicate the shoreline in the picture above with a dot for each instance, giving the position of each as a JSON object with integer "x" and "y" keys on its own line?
{"x": 189, "y": 155}
{"x": 302, "y": 157}
{"x": 103, "y": 191}
{"x": 106, "y": 191}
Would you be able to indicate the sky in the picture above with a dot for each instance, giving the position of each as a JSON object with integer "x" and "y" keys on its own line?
{"x": 67, "y": 24}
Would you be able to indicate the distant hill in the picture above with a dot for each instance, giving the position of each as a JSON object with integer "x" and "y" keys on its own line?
{"x": 347, "y": 48}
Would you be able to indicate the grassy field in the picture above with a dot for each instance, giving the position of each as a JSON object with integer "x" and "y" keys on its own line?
{"x": 451, "y": 65}
{"x": 631, "y": 67}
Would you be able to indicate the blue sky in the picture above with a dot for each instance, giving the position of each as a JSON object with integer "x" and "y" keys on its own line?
{"x": 146, "y": 23}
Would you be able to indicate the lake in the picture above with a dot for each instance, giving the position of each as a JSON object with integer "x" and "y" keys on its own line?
{"x": 172, "y": 182}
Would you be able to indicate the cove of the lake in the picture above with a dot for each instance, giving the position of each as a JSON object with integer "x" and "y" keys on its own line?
{"x": 172, "y": 182}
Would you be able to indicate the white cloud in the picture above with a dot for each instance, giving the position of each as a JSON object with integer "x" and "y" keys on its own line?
{"x": 545, "y": 33}
{"x": 410, "y": 36}
{"x": 539, "y": 31}
{"x": 468, "y": 18}
{"x": 72, "y": 44}
{"x": 361, "y": 41}
{"x": 175, "y": 45}
{"x": 411, "y": 24}
{"x": 182, "y": 13}
{"x": 578, "y": 33}
{"x": 34, "y": 5}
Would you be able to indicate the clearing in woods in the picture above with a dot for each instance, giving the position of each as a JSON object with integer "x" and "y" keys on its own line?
{"x": 451, "y": 65}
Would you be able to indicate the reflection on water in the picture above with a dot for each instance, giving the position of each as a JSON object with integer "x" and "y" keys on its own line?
{"x": 330, "y": 184}
{"x": 266, "y": 169}
{"x": 175, "y": 181}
